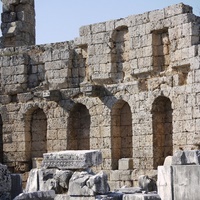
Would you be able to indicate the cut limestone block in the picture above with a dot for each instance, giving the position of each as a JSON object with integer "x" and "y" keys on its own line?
{"x": 191, "y": 157}
{"x": 147, "y": 184}
{"x": 125, "y": 163}
{"x": 168, "y": 161}
{"x": 82, "y": 159}
{"x": 141, "y": 197}
{"x": 32, "y": 182}
{"x": 129, "y": 190}
{"x": 36, "y": 162}
{"x": 49, "y": 195}
{"x": 48, "y": 179}
{"x": 164, "y": 182}
{"x": 186, "y": 181}
{"x": 62, "y": 197}
{"x": 84, "y": 184}
{"x": 179, "y": 182}
{"x": 54, "y": 179}
{"x": 110, "y": 196}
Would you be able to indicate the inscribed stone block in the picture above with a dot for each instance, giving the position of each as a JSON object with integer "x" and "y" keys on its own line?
{"x": 82, "y": 159}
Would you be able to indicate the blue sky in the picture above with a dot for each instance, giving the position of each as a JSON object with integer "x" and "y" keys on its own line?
{"x": 60, "y": 20}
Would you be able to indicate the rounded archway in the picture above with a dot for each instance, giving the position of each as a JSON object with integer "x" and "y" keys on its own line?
{"x": 35, "y": 133}
{"x": 79, "y": 128}
{"x": 162, "y": 130}
{"x": 38, "y": 133}
{"x": 121, "y": 132}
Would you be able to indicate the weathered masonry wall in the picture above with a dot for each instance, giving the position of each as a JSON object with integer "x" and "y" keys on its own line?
{"x": 129, "y": 87}
{"x": 18, "y": 23}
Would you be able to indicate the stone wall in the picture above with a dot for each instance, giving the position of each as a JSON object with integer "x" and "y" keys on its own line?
{"x": 18, "y": 23}
{"x": 129, "y": 87}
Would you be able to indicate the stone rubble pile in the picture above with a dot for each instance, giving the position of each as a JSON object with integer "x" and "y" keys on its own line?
{"x": 67, "y": 175}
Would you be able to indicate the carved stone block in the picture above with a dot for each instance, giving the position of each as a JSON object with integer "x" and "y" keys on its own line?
{"x": 82, "y": 159}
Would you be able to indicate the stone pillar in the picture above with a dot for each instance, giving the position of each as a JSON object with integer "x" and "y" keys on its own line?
{"x": 18, "y": 23}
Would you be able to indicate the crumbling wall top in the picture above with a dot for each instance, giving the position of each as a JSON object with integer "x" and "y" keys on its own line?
{"x": 18, "y": 23}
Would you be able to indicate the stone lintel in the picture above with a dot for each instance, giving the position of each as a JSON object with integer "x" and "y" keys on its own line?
{"x": 80, "y": 159}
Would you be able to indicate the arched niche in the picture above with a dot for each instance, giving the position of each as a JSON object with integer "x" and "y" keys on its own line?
{"x": 121, "y": 132}
{"x": 162, "y": 130}
{"x": 79, "y": 128}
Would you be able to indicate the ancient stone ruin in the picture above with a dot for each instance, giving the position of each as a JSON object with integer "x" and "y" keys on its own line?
{"x": 128, "y": 87}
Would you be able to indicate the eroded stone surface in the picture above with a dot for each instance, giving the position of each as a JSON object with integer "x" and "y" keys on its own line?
{"x": 5, "y": 183}
{"x": 129, "y": 190}
{"x": 48, "y": 179}
{"x": 178, "y": 182}
{"x": 32, "y": 182}
{"x": 72, "y": 159}
{"x": 165, "y": 182}
{"x": 147, "y": 184}
{"x": 87, "y": 184}
{"x": 191, "y": 157}
{"x": 141, "y": 197}
{"x": 48, "y": 195}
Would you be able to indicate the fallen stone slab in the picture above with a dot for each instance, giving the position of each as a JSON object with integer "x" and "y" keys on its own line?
{"x": 62, "y": 197}
{"x": 54, "y": 179}
{"x": 110, "y": 196}
{"x": 141, "y": 197}
{"x": 190, "y": 157}
{"x": 129, "y": 190}
{"x": 48, "y": 179}
{"x": 82, "y": 159}
{"x": 48, "y": 195}
{"x": 85, "y": 184}
{"x": 147, "y": 184}
{"x": 32, "y": 184}
{"x": 99, "y": 183}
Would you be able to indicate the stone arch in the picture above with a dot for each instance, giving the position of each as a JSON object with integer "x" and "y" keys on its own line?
{"x": 79, "y": 128}
{"x": 1, "y": 140}
{"x": 162, "y": 130}
{"x": 121, "y": 132}
{"x": 35, "y": 132}
{"x": 120, "y": 53}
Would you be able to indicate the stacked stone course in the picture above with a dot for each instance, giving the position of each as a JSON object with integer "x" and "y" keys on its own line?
{"x": 132, "y": 83}
{"x": 18, "y": 23}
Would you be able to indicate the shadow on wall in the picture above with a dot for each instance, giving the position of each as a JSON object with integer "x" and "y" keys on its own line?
{"x": 162, "y": 130}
